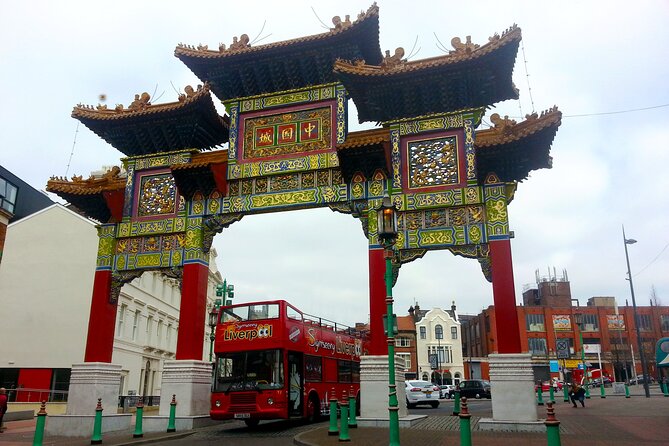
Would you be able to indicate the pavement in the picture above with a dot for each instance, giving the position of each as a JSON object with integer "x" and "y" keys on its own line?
{"x": 614, "y": 420}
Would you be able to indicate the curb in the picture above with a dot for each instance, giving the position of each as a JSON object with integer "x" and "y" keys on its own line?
{"x": 297, "y": 440}
{"x": 162, "y": 438}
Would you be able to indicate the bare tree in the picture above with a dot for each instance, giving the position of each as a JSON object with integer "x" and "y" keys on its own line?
{"x": 654, "y": 299}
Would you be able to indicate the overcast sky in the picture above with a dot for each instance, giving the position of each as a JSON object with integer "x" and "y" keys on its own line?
{"x": 588, "y": 58}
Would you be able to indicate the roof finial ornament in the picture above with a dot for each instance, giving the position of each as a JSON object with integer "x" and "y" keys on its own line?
{"x": 241, "y": 43}
{"x": 463, "y": 48}
{"x": 502, "y": 124}
{"x": 390, "y": 62}
{"x": 141, "y": 102}
{"x": 338, "y": 24}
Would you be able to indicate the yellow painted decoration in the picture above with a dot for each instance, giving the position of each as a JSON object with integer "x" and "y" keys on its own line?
{"x": 428, "y": 238}
{"x": 283, "y": 199}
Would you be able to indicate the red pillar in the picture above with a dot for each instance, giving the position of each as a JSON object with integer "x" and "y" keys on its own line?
{"x": 377, "y": 302}
{"x": 100, "y": 338}
{"x": 504, "y": 296}
{"x": 190, "y": 341}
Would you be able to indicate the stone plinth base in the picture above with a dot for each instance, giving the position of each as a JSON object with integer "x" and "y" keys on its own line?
{"x": 406, "y": 421}
{"x": 159, "y": 423}
{"x": 90, "y": 381}
{"x": 512, "y": 383}
{"x": 374, "y": 387}
{"x": 190, "y": 381}
{"x": 82, "y": 425}
{"x": 489, "y": 424}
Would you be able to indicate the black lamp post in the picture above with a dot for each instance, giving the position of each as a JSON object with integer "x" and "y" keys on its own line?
{"x": 644, "y": 366}
{"x": 213, "y": 320}
{"x": 387, "y": 233}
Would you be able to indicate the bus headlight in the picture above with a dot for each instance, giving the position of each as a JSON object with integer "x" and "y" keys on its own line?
{"x": 217, "y": 403}
{"x": 270, "y": 401}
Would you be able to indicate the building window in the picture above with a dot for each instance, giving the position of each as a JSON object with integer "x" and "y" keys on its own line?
{"x": 169, "y": 336}
{"x": 438, "y": 332}
{"x": 407, "y": 360}
{"x": 7, "y": 195}
{"x": 159, "y": 333}
{"x": 135, "y": 325}
{"x": 644, "y": 322}
{"x": 454, "y": 332}
{"x": 534, "y": 322}
{"x": 664, "y": 322}
{"x": 423, "y": 333}
{"x": 149, "y": 330}
{"x": 537, "y": 346}
{"x": 121, "y": 320}
{"x": 590, "y": 322}
{"x": 402, "y": 342}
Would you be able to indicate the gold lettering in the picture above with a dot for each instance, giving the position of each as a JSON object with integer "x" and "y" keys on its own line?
{"x": 287, "y": 133}
{"x": 309, "y": 129}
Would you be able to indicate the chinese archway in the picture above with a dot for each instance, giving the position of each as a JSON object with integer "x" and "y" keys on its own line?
{"x": 288, "y": 147}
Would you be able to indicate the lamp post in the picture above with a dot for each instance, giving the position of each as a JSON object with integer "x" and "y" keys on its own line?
{"x": 644, "y": 366}
{"x": 387, "y": 233}
{"x": 578, "y": 318}
{"x": 213, "y": 320}
{"x": 439, "y": 334}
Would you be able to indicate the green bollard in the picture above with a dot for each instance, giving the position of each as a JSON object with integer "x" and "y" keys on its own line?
{"x": 97, "y": 426}
{"x": 138, "y": 419}
{"x": 552, "y": 427}
{"x": 565, "y": 392}
{"x": 456, "y": 403}
{"x": 665, "y": 389}
{"x": 352, "y": 409}
{"x": 343, "y": 430}
{"x": 587, "y": 390}
{"x": 540, "y": 396}
{"x": 39, "y": 427}
{"x": 551, "y": 394}
{"x": 333, "y": 430}
{"x": 171, "y": 427}
{"x": 602, "y": 390}
{"x": 627, "y": 391}
{"x": 465, "y": 425}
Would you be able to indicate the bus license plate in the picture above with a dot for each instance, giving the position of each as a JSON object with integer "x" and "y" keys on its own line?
{"x": 242, "y": 415}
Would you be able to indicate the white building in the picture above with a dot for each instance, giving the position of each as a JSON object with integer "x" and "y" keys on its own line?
{"x": 46, "y": 282}
{"x": 438, "y": 339}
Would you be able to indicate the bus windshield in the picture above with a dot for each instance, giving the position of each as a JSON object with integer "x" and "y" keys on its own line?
{"x": 254, "y": 370}
{"x": 250, "y": 313}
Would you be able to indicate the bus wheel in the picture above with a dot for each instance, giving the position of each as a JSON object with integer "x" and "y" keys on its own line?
{"x": 251, "y": 423}
{"x": 312, "y": 408}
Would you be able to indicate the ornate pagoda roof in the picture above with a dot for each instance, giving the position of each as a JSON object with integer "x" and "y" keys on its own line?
{"x": 242, "y": 70}
{"x": 470, "y": 76}
{"x": 144, "y": 128}
{"x": 509, "y": 149}
{"x": 512, "y": 150}
{"x": 88, "y": 196}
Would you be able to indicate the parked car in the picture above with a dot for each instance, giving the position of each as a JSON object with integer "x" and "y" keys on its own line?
{"x": 421, "y": 392}
{"x": 640, "y": 380}
{"x": 546, "y": 385}
{"x": 447, "y": 391}
{"x": 598, "y": 382}
{"x": 475, "y": 388}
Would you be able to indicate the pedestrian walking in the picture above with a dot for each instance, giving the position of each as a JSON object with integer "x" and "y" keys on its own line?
{"x": 577, "y": 392}
{"x": 3, "y": 406}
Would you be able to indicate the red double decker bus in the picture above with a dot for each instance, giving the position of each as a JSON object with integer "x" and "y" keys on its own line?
{"x": 275, "y": 362}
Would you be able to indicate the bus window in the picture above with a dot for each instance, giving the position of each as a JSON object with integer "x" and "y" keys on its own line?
{"x": 292, "y": 313}
{"x": 314, "y": 368}
{"x": 355, "y": 372}
{"x": 255, "y": 370}
{"x": 344, "y": 371}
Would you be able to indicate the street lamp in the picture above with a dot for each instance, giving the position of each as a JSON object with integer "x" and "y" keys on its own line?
{"x": 387, "y": 233}
{"x": 213, "y": 320}
{"x": 439, "y": 334}
{"x": 578, "y": 318}
{"x": 644, "y": 367}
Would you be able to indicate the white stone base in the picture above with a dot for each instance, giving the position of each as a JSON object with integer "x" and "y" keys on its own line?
{"x": 512, "y": 383}
{"x": 406, "y": 421}
{"x": 159, "y": 423}
{"x": 82, "y": 425}
{"x": 190, "y": 381}
{"x": 489, "y": 424}
{"x": 374, "y": 387}
{"x": 90, "y": 381}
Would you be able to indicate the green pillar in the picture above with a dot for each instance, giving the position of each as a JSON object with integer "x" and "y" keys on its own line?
{"x": 665, "y": 388}
{"x": 551, "y": 394}
{"x": 565, "y": 392}
{"x": 39, "y": 426}
{"x": 627, "y": 391}
{"x": 456, "y": 403}
{"x": 540, "y": 395}
{"x": 602, "y": 390}
{"x": 138, "y": 419}
{"x": 343, "y": 430}
{"x": 97, "y": 425}
{"x": 552, "y": 427}
{"x": 465, "y": 425}
{"x": 352, "y": 409}
{"x": 171, "y": 424}
{"x": 333, "y": 430}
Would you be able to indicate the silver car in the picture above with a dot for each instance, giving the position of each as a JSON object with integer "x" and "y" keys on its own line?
{"x": 421, "y": 392}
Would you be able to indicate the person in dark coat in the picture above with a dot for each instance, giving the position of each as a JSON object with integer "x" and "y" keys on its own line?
{"x": 3, "y": 406}
{"x": 577, "y": 392}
